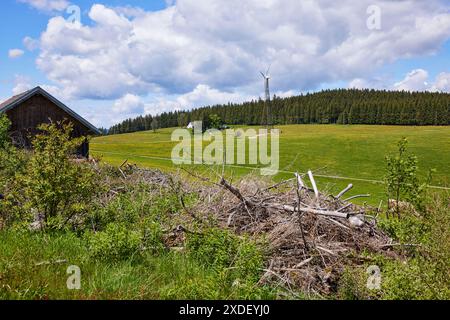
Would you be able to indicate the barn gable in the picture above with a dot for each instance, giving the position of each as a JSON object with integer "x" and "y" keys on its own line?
{"x": 38, "y": 91}
{"x": 34, "y": 107}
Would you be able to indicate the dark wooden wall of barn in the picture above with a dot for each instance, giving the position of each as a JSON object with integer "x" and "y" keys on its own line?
{"x": 27, "y": 116}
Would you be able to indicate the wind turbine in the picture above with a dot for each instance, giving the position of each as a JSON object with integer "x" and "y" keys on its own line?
{"x": 266, "y": 113}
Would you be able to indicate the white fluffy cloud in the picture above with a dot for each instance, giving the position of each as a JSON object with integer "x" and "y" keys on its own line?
{"x": 418, "y": 80}
{"x": 47, "y": 5}
{"x": 415, "y": 80}
{"x": 202, "y": 95}
{"x": 30, "y": 43}
{"x": 442, "y": 82}
{"x": 359, "y": 83}
{"x": 21, "y": 84}
{"x": 15, "y": 53}
{"x": 129, "y": 103}
{"x": 223, "y": 45}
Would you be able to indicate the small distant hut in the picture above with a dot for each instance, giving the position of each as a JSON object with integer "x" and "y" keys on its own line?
{"x": 34, "y": 107}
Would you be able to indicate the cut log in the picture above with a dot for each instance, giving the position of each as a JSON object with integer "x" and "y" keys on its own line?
{"x": 309, "y": 210}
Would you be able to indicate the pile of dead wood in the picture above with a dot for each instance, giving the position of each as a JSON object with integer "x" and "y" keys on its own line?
{"x": 312, "y": 235}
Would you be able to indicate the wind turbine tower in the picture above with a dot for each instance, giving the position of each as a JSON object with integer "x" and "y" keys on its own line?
{"x": 267, "y": 118}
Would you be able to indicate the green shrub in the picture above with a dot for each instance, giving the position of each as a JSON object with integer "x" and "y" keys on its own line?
{"x": 116, "y": 243}
{"x": 138, "y": 203}
{"x": 401, "y": 177}
{"x": 353, "y": 285}
{"x": 153, "y": 236}
{"x": 53, "y": 185}
{"x": 12, "y": 160}
{"x": 223, "y": 250}
{"x": 422, "y": 272}
{"x": 214, "y": 287}
{"x": 408, "y": 229}
{"x": 12, "y": 163}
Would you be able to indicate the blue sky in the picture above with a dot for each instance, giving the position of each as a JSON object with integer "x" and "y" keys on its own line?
{"x": 129, "y": 57}
{"x": 19, "y": 20}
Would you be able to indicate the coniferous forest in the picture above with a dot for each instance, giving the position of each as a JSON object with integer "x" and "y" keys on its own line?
{"x": 340, "y": 106}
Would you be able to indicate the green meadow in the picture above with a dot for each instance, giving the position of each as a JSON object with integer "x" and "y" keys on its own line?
{"x": 338, "y": 154}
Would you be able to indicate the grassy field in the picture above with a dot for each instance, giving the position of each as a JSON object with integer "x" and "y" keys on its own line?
{"x": 341, "y": 154}
{"x": 28, "y": 271}
{"x": 125, "y": 247}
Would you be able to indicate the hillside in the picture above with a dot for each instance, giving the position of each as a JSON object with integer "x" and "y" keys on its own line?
{"x": 342, "y": 106}
{"x": 341, "y": 152}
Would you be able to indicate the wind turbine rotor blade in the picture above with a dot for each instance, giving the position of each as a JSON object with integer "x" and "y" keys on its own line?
{"x": 264, "y": 76}
{"x": 268, "y": 69}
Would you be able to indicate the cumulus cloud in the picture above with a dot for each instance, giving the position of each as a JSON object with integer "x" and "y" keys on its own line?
{"x": 442, "y": 83}
{"x": 129, "y": 103}
{"x": 30, "y": 43}
{"x": 202, "y": 95}
{"x": 15, "y": 53}
{"x": 21, "y": 84}
{"x": 359, "y": 83}
{"x": 172, "y": 51}
{"x": 418, "y": 80}
{"x": 47, "y": 5}
{"x": 415, "y": 80}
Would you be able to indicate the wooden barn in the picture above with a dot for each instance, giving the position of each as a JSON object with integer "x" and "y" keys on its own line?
{"x": 34, "y": 107}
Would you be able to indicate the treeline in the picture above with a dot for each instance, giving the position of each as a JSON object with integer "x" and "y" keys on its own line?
{"x": 340, "y": 106}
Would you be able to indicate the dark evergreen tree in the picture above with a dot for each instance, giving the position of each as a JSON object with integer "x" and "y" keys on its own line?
{"x": 343, "y": 106}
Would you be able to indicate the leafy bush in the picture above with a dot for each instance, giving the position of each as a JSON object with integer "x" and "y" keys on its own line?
{"x": 52, "y": 184}
{"x": 423, "y": 271}
{"x": 401, "y": 177}
{"x": 409, "y": 229}
{"x": 138, "y": 203}
{"x": 12, "y": 163}
{"x": 12, "y": 160}
{"x": 235, "y": 265}
{"x": 353, "y": 285}
{"x": 116, "y": 243}
{"x": 223, "y": 250}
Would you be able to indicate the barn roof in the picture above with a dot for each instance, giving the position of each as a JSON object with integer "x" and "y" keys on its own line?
{"x": 18, "y": 99}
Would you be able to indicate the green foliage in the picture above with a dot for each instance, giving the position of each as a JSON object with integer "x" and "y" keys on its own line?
{"x": 12, "y": 163}
{"x": 215, "y": 122}
{"x": 223, "y": 250}
{"x": 167, "y": 276}
{"x": 409, "y": 229}
{"x": 422, "y": 272}
{"x": 414, "y": 280}
{"x": 234, "y": 263}
{"x": 116, "y": 243}
{"x": 401, "y": 178}
{"x": 353, "y": 285}
{"x": 52, "y": 184}
{"x": 5, "y": 124}
{"x": 139, "y": 205}
{"x": 12, "y": 160}
{"x": 217, "y": 286}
